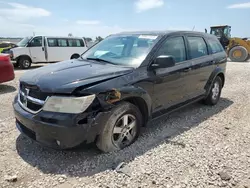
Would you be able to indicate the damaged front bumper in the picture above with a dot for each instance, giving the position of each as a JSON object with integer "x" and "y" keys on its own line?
{"x": 59, "y": 130}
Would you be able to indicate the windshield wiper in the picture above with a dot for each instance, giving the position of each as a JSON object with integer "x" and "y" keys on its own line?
{"x": 99, "y": 59}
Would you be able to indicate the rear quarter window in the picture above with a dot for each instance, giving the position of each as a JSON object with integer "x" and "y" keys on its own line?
{"x": 75, "y": 43}
{"x": 197, "y": 47}
{"x": 215, "y": 46}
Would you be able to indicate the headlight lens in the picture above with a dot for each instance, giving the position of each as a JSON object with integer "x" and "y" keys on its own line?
{"x": 72, "y": 105}
{"x": 11, "y": 54}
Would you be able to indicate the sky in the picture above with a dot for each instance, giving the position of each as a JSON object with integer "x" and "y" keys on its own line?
{"x": 91, "y": 18}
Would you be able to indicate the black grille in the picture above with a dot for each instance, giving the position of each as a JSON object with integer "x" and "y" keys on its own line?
{"x": 33, "y": 106}
{"x": 34, "y": 92}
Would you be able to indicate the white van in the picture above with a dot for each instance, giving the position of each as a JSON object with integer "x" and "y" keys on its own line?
{"x": 42, "y": 49}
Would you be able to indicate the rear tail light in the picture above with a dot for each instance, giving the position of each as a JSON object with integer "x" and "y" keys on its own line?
{"x": 5, "y": 58}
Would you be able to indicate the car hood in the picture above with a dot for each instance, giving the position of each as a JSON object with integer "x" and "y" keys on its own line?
{"x": 66, "y": 76}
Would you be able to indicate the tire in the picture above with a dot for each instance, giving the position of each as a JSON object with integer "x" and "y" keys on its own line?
{"x": 114, "y": 134}
{"x": 248, "y": 57}
{"x": 214, "y": 94}
{"x": 242, "y": 52}
{"x": 75, "y": 56}
{"x": 24, "y": 62}
{"x": 16, "y": 65}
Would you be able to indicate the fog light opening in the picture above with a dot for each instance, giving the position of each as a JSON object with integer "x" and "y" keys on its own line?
{"x": 58, "y": 142}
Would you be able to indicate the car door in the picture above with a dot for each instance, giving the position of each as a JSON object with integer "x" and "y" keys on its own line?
{"x": 202, "y": 64}
{"x": 171, "y": 85}
{"x": 37, "y": 50}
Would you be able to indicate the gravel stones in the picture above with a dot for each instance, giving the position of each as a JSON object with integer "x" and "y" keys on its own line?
{"x": 198, "y": 146}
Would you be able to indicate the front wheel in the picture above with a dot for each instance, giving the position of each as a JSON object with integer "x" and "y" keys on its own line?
{"x": 215, "y": 92}
{"x": 24, "y": 62}
{"x": 16, "y": 65}
{"x": 121, "y": 129}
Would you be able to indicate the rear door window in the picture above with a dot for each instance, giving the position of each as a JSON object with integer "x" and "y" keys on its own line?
{"x": 197, "y": 47}
{"x": 215, "y": 46}
{"x": 175, "y": 47}
{"x": 79, "y": 43}
{"x": 52, "y": 42}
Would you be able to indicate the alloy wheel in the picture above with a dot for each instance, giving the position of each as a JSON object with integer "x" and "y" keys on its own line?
{"x": 124, "y": 130}
{"x": 26, "y": 63}
{"x": 215, "y": 91}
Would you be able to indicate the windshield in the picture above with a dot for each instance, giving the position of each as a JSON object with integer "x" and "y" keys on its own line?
{"x": 128, "y": 50}
{"x": 23, "y": 42}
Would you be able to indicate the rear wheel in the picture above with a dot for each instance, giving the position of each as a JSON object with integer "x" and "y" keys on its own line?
{"x": 24, "y": 62}
{"x": 238, "y": 54}
{"x": 215, "y": 92}
{"x": 121, "y": 129}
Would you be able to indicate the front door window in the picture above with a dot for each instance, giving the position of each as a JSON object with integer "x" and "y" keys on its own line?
{"x": 174, "y": 47}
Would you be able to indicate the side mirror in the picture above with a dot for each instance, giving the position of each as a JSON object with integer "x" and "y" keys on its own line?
{"x": 163, "y": 61}
{"x": 205, "y": 30}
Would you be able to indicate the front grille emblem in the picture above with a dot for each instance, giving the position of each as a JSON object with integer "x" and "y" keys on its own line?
{"x": 28, "y": 101}
{"x": 26, "y": 94}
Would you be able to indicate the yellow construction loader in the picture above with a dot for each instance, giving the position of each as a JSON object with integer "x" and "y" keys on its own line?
{"x": 238, "y": 49}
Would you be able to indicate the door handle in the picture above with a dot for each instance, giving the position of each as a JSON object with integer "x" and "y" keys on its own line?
{"x": 187, "y": 69}
{"x": 42, "y": 48}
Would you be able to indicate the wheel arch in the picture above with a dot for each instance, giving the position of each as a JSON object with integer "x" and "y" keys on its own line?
{"x": 21, "y": 56}
{"x": 238, "y": 42}
{"x": 141, "y": 104}
{"x": 217, "y": 72}
{"x": 134, "y": 95}
{"x": 75, "y": 54}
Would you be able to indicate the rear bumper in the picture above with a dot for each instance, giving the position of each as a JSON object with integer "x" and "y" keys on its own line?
{"x": 6, "y": 72}
{"x": 48, "y": 128}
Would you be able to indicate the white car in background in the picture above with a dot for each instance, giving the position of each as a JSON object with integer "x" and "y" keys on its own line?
{"x": 43, "y": 49}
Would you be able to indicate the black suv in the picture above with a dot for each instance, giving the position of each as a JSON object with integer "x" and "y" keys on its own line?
{"x": 117, "y": 86}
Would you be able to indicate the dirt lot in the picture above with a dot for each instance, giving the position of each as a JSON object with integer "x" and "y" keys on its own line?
{"x": 198, "y": 146}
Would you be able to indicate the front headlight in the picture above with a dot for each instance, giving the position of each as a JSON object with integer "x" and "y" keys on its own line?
{"x": 11, "y": 53}
{"x": 72, "y": 105}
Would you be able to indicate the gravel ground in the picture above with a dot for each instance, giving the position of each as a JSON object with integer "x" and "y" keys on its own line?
{"x": 198, "y": 146}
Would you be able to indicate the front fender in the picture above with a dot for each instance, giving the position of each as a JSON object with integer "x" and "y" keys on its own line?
{"x": 112, "y": 97}
{"x": 124, "y": 88}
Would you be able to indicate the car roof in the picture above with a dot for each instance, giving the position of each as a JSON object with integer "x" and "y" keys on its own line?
{"x": 161, "y": 33}
{"x": 64, "y": 37}
{"x": 214, "y": 26}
